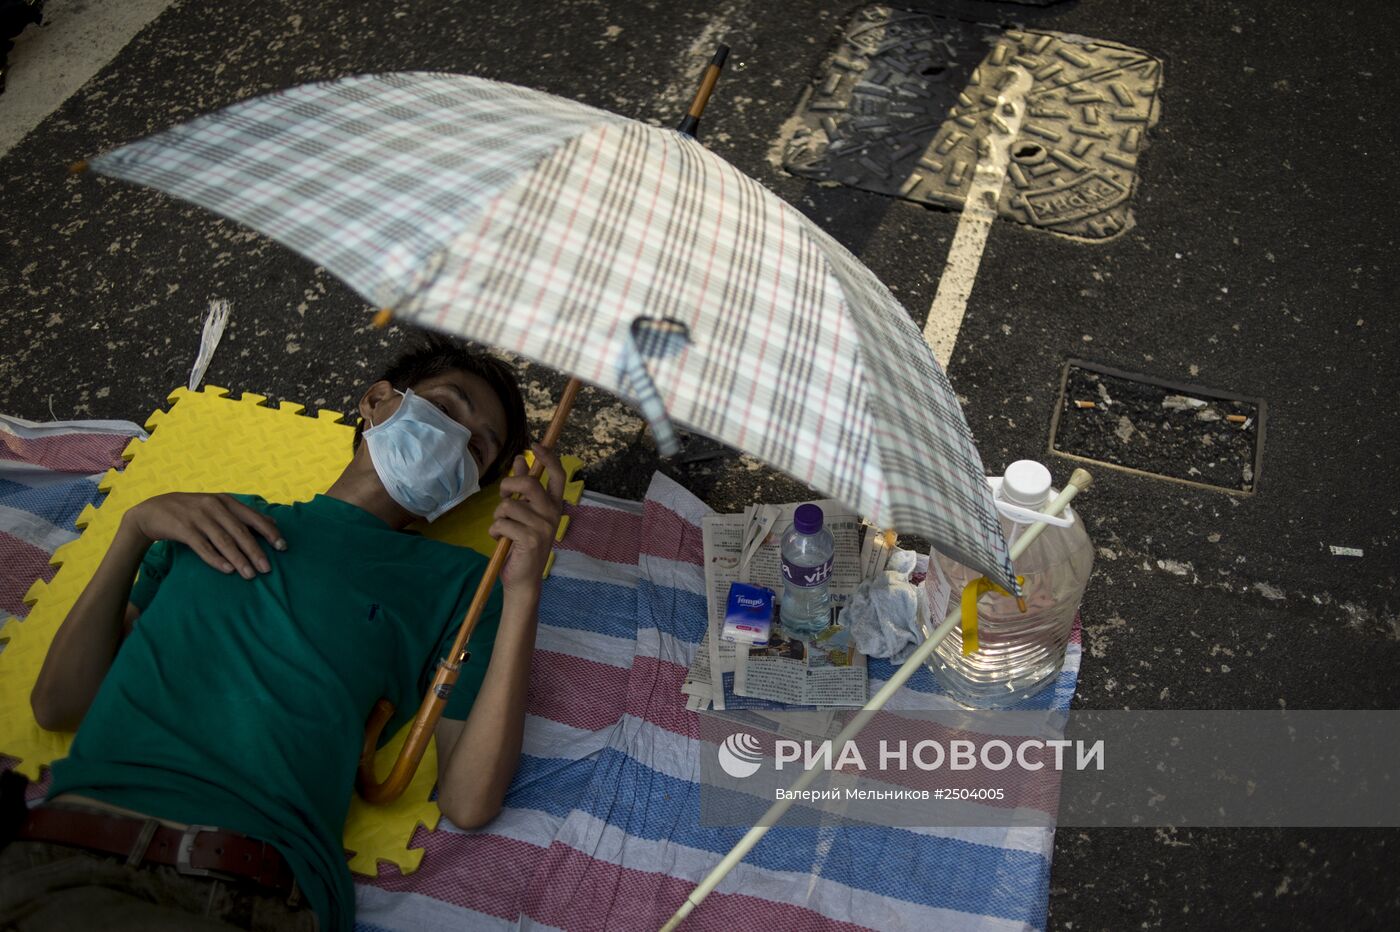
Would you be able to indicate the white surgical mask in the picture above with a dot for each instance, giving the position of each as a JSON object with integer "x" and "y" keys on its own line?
{"x": 421, "y": 457}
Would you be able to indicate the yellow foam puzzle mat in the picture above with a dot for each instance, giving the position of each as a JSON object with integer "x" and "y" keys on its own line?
{"x": 207, "y": 442}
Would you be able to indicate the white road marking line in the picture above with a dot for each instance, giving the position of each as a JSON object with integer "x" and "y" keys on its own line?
{"x": 965, "y": 255}
{"x": 50, "y": 62}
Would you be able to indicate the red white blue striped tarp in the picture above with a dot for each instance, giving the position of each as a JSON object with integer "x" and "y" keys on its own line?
{"x": 48, "y": 474}
{"x": 601, "y": 830}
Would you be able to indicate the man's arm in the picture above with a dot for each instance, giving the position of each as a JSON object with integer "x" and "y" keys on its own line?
{"x": 478, "y": 757}
{"x": 214, "y": 526}
{"x": 83, "y": 648}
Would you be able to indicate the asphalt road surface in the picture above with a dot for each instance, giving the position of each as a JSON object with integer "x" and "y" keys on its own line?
{"x": 1261, "y": 263}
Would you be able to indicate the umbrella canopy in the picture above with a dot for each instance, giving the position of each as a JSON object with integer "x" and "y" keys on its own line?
{"x": 624, "y": 254}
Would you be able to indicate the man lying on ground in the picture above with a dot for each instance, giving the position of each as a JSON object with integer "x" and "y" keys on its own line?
{"x": 230, "y": 685}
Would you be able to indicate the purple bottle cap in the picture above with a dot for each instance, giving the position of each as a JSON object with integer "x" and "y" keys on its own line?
{"x": 807, "y": 519}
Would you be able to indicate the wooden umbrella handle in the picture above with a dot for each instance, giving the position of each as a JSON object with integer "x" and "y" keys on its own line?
{"x": 411, "y": 755}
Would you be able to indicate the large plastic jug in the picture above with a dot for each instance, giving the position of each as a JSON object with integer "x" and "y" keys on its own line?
{"x": 1018, "y": 654}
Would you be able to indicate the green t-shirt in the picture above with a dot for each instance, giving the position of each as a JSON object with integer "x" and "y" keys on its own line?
{"x": 242, "y": 703}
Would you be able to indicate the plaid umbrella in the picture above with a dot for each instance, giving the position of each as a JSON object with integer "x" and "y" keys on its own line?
{"x": 624, "y": 254}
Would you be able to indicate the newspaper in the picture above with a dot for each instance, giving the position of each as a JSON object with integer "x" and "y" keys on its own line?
{"x": 723, "y": 541}
{"x": 746, "y": 548}
{"x": 823, "y": 671}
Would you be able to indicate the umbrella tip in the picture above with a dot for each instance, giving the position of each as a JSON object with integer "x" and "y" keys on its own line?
{"x": 78, "y": 167}
{"x": 382, "y": 318}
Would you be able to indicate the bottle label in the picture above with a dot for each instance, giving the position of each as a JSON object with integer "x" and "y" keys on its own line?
{"x": 806, "y": 577}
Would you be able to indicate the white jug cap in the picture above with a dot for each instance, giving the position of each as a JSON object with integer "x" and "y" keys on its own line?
{"x": 1026, "y": 483}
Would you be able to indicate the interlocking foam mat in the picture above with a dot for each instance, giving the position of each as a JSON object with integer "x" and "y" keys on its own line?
{"x": 207, "y": 442}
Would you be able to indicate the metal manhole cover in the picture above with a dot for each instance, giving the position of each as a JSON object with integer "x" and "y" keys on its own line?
{"x": 907, "y": 106}
{"x": 1158, "y": 428}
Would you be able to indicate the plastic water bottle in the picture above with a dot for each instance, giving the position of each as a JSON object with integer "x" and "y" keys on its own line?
{"x": 808, "y": 551}
{"x": 1018, "y": 654}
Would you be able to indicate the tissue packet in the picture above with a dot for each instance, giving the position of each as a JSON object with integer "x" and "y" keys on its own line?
{"x": 748, "y": 614}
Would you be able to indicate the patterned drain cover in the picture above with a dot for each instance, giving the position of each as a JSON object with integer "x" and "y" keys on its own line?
{"x": 908, "y": 103}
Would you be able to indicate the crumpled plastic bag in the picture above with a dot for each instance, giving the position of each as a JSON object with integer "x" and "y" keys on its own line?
{"x": 883, "y": 613}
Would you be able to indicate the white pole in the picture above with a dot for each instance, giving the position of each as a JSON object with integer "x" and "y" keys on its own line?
{"x": 1077, "y": 483}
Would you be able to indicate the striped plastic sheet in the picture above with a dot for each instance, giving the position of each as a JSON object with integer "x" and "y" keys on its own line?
{"x": 600, "y": 827}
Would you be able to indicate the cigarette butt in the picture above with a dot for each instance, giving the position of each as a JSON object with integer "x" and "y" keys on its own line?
{"x": 382, "y": 317}
{"x": 1085, "y": 404}
{"x": 78, "y": 167}
{"x": 1236, "y": 418}
{"x": 1021, "y": 605}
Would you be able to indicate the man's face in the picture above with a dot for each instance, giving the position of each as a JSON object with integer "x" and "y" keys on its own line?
{"x": 464, "y": 397}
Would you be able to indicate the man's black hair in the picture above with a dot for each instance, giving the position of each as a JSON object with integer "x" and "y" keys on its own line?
{"x": 437, "y": 354}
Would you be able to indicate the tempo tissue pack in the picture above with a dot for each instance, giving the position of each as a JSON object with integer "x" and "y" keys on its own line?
{"x": 748, "y": 615}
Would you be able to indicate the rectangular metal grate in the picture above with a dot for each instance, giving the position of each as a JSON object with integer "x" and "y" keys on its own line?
{"x": 1153, "y": 427}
